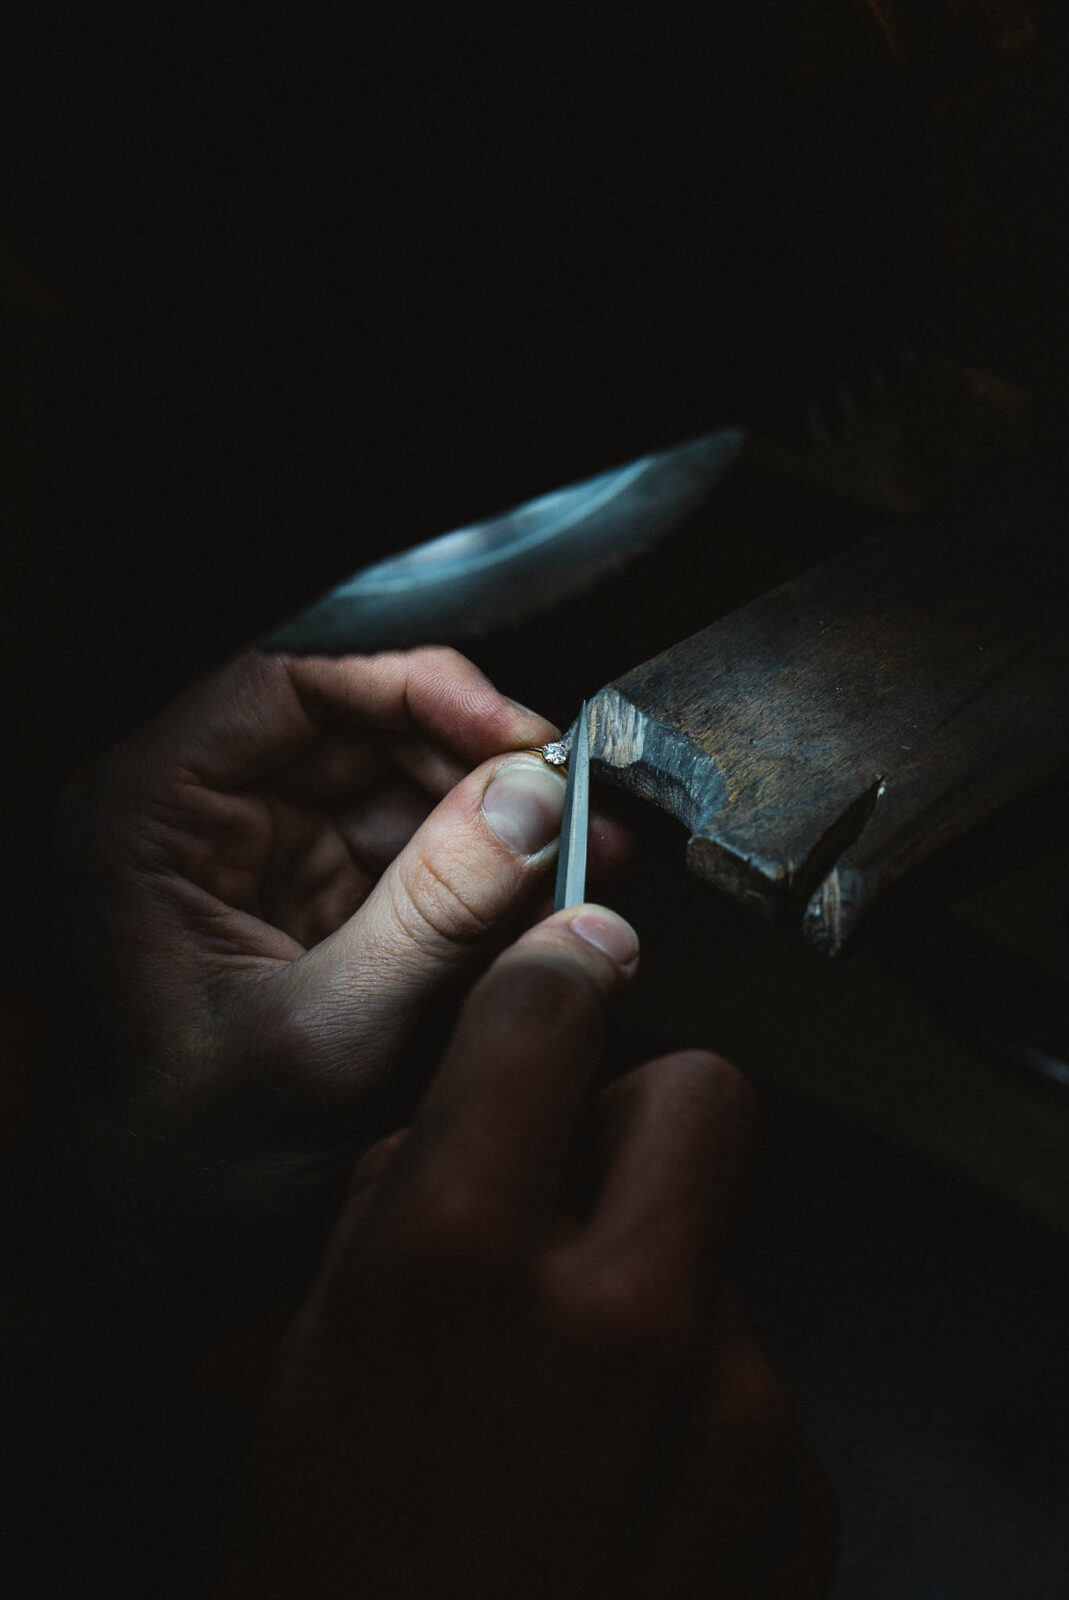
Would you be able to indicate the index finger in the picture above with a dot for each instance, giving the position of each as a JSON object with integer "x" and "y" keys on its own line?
{"x": 263, "y": 710}
{"x": 434, "y": 689}
{"x": 489, "y": 1143}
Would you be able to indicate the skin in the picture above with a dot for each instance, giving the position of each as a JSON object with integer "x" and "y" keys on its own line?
{"x": 265, "y": 891}
{"x": 295, "y": 837}
{"x": 518, "y": 1372}
{"x": 492, "y": 1391}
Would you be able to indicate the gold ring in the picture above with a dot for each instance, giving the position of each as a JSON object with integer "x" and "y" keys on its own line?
{"x": 554, "y": 754}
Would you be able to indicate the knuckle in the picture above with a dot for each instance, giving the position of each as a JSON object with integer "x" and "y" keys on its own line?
{"x": 434, "y": 913}
{"x": 735, "y": 1092}
{"x": 440, "y": 1249}
{"x": 701, "y": 1082}
{"x": 443, "y": 678}
{"x": 625, "y": 1314}
{"x": 375, "y": 1162}
{"x": 436, "y": 675}
{"x": 459, "y": 1231}
{"x": 541, "y": 994}
{"x": 439, "y": 661}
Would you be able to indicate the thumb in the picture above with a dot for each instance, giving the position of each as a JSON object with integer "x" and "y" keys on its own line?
{"x": 471, "y": 865}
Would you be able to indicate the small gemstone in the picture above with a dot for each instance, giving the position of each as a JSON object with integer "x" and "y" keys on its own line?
{"x": 555, "y": 753}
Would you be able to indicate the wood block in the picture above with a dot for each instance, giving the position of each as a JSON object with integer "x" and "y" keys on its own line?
{"x": 878, "y": 716}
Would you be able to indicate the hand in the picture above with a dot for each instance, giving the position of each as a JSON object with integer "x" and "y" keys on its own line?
{"x": 267, "y": 887}
{"x": 518, "y": 1374}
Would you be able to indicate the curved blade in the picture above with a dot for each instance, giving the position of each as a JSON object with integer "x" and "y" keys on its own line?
{"x": 498, "y": 571}
{"x": 571, "y": 865}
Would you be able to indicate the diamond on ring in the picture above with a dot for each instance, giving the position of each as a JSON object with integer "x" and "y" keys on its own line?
{"x": 556, "y": 753}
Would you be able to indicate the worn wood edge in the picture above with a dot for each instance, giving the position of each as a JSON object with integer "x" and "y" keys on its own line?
{"x": 851, "y": 904}
{"x": 835, "y": 911}
{"x": 783, "y": 887}
{"x": 652, "y": 761}
{"x": 656, "y": 763}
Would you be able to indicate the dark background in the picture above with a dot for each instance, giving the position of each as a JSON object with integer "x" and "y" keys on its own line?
{"x": 334, "y": 282}
{"x": 291, "y": 289}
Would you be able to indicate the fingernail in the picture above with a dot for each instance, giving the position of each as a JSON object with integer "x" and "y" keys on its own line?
{"x": 608, "y": 933}
{"x": 524, "y": 805}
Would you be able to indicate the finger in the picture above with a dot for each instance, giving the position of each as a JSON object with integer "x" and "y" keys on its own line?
{"x": 365, "y": 1181}
{"x": 313, "y": 882}
{"x": 488, "y": 1145}
{"x": 338, "y": 765}
{"x": 312, "y": 891}
{"x": 718, "y": 1474}
{"x": 434, "y": 689}
{"x": 673, "y": 1138}
{"x": 375, "y": 1161}
{"x": 435, "y": 769}
{"x": 332, "y": 766}
{"x": 262, "y": 710}
{"x": 471, "y": 865}
{"x": 379, "y": 824}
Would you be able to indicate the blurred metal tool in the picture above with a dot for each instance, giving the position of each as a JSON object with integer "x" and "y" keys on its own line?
{"x": 478, "y": 577}
{"x": 571, "y": 865}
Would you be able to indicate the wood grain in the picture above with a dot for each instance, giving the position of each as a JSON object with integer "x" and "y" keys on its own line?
{"x": 831, "y": 740}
